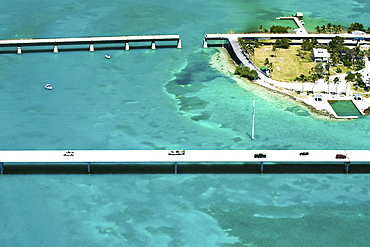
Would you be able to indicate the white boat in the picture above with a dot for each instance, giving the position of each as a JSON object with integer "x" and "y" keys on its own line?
{"x": 107, "y": 56}
{"x": 48, "y": 86}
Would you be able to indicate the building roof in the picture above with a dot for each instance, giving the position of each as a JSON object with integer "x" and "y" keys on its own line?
{"x": 299, "y": 14}
{"x": 319, "y": 52}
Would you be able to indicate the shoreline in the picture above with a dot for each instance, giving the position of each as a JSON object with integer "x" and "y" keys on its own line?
{"x": 318, "y": 109}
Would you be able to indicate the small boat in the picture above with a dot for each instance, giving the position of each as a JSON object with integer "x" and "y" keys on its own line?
{"x": 48, "y": 86}
{"x": 107, "y": 56}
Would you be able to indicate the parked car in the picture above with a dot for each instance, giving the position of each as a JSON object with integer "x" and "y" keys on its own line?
{"x": 260, "y": 155}
{"x": 304, "y": 153}
{"x": 340, "y": 156}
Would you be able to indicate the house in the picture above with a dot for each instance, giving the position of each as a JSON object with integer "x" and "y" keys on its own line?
{"x": 320, "y": 55}
{"x": 265, "y": 70}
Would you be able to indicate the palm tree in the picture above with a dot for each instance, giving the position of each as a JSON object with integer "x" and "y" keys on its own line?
{"x": 274, "y": 49}
{"x": 329, "y": 27}
{"x": 323, "y": 29}
{"x": 318, "y": 29}
{"x": 327, "y": 80}
{"x": 314, "y": 80}
{"x": 336, "y": 82}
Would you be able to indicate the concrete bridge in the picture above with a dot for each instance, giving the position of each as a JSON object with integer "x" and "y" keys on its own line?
{"x": 174, "y": 158}
{"x": 90, "y": 41}
{"x": 296, "y": 38}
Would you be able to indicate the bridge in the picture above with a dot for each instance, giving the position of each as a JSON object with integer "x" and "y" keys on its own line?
{"x": 90, "y": 41}
{"x": 177, "y": 157}
{"x": 350, "y": 39}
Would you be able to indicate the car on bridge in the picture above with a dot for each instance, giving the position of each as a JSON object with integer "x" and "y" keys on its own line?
{"x": 340, "y": 156}
{"x": 260, "y": 155}
{"x": 304, "y": 153}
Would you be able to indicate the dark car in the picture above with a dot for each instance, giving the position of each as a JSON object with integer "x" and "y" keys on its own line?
{"x": 340, "y": 156}
{"x": 304, "y": 153}
{"x": 260, "y": 155}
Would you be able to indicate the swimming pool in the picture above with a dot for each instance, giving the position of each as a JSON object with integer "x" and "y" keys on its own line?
{"x": 344, "y": 108}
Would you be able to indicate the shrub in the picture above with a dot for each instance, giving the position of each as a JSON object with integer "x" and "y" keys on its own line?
{"x": 246, "y": 72}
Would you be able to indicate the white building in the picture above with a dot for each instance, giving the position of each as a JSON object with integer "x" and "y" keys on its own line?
{"x": 320, "y": 55}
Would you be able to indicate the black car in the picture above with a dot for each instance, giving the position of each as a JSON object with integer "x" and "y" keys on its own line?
{"x": 260, "y": 155}
{"x": 304, "y": 153}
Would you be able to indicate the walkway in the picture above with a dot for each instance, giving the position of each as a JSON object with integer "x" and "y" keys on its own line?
{"x": 297, "y": 21}
{"x": 90, "y": 40}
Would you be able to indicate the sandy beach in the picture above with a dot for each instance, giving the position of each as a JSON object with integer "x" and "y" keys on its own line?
{"x": 340, "y": 91}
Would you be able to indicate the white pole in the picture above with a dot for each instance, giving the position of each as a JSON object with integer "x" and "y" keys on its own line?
{"x": 254, "y": 105}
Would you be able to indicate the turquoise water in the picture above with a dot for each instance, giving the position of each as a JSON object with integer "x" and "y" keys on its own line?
{"x": 345, "y": 108}
{"x": 167, "y": 99}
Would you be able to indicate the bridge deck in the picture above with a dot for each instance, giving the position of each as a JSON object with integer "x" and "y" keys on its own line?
{"x": 88, "y": 40}
{"x": 219, "y": 36}
{"x": 165, "y": 156}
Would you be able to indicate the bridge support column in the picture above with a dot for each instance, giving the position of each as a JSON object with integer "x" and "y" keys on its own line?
{"x": 347, "y": 164}
{"x": 55, "y": 50}
{"x": 175, "y": 168}
{"x": 179, "y": 46}
{"x": 261, "y": 167}
{"x": 153, "y": 46}
{"x": 127, "y": 46}
{"x": 1, "y": 168}
{"x": 91, "y": 47}
{"x": 88, "y": 167}
{"x": 19, "y": 50}
{"x": 205, "y": 45}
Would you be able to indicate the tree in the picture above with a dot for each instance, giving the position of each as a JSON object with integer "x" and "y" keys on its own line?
{"x": 314, "y": 80}
{"x": 266, "y": 62}
{"x": 244, "y": 71}
{"x": 336, "y": 82}
{"x": 327, "y": 81}
{"x": 327, "y": 68}
{"x": 278, "y": 29}
{"x": 329, "y": 27}
{"x": 318, "y": 69}
{"x": 307, "y": 45}
{"x": 282, "y": 43}
{"x": 350, "y": 77}
{"x": 356, "y": 27}
{"x": 274, "y": 49}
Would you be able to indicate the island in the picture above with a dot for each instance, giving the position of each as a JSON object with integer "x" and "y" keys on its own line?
{"x": 327, "y": 71}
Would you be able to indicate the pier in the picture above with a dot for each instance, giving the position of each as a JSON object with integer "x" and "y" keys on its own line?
{"x": 175, "y": 160}
{"x": 90, "y": 42}
{"x": 298, "y": 21}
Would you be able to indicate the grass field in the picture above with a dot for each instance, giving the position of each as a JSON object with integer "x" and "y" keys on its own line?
{"x": 286, "y": 64}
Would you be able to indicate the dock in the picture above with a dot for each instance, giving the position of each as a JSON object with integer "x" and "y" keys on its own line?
{"x": 176, "y": 158}
{"x": 123, "y": 41}
{"x": 297, "y": 21}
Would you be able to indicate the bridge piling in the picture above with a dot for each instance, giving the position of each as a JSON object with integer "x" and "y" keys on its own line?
{"x": 205, "y": 45}
{"x": 91, "y": 48}
{"x": 127, "y": 46}
{"x": 261, "y": 167}
{"x": 19, "y": 50}
{"x": 55, "y": 50}
{"x": 88, "y": 167}
{"x": 179, "y": 45}
{"x": 1, "y": 168}
{"x": 347, "y": 164}
{"x": 175, "y": 168}
{"x": 153, "y": 45}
